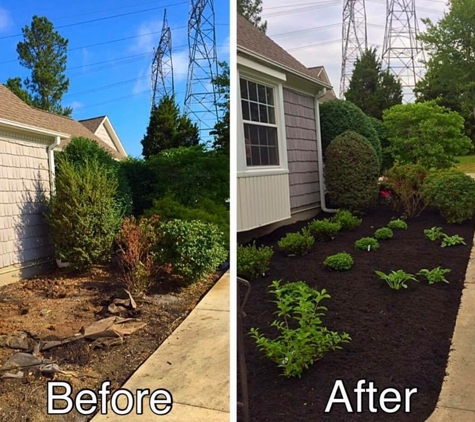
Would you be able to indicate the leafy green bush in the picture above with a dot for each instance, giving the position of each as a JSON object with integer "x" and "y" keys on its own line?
{"x": 323, "y": 230}
{"x": 406, "y": 182}
{"x": 387, "y": 158}
{"x": 367, "y": 244}
{"x": 435, "y": 233}
{"x": 338, "y": 116}
{"x": 339, "y": 262}
{"x": 346, "y": 220}
{"x": 296, "y": 243}
{"x": 383, "y": 233}
{"x": 82, "y": 214}
{"x": 452, "y": 240}
{"x": 298, "y": 345}
{"x": 193, "y": 248}
{"x": 436, "y": 275}
{"x": 253, "y": 261}
{"x": 351, "y": 172}
{"x": 452, "y": 193}
{"x": 397, "y": 225}
{"x": 396, "y": 279}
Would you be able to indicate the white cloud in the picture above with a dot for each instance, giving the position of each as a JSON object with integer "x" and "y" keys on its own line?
{"x": 76, "y": 105}
{"x": 5, "y": 19}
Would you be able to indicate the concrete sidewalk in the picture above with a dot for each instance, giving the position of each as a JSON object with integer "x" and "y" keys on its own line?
{"x": 192, "y": 364}
{"x": 457, "y": 398}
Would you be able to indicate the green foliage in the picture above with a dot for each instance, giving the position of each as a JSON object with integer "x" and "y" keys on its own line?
{"x": 193, "y": 248}
{"x": 251, "y": 10}
{"x": 383, "y": 233}
{"x": 436, "y": 275}
{"x": 396, "y": 279}
{"x": 43, "y": 51}
{"x": 372, "y": 89}
{"x": 426, "y": 134}
{"x": 406, "y": 183}
{"x": 452, "y": 193}
{"x": 339, "y": 262}
{"x": 452, "y": 241}
{"x": 346, "y": 220}
{"x": 168, "y": 129}
{"x": 387, "y": 158}
{"x": 324, "y": 230}
{"x": 302, "y": 338}
{"x": 296, "y": 243}
{"x": 351, "y": 172}
{"x": 253, "y": 261}
{"x": 82, "y": 214}
{"x": 367, "y": 244}
{"x": 338, "y": 116}
{"x": 435, "y": 233}
{"x": 220, "y": 131}
{"x": 397, "y": 225}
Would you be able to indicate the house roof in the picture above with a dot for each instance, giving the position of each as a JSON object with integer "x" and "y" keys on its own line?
{"x": 251, "y": 39}
{"x": 15, "y": 110}
{"x": 93, "y": 123}
{"x": 321, "y": 73}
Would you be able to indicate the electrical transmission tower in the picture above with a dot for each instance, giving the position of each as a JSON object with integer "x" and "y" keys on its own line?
{"x": 402, "y": 51}
{"x": 201, "y": 97}
{"x": 162, "y": 65}
{"x": 355, "y": 39}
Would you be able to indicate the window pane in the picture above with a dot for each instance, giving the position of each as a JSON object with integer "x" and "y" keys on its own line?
{"x": 272, "y": 136}
{"x": 264, "y": 156}
{"x": 254, "y": 112}
{"x": 263, "y": 114}
{"x": 245, "y": 110}
{"x": 273, "y": 157}
{"x": 261, "y": 145}
{"x": 270, "y": 95}
{"x": 254, "y": 134}
{"x": 255, "y": 159}
{"x": 244, "y": 93}
{"x": 271, "y": 115}
{"x": 261, "y": 90}
{"x": 252, "y": 91}
{"x": 263, "y": 135}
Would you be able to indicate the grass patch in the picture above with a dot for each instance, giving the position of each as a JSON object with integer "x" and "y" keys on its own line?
{"x": 466, "y": 163}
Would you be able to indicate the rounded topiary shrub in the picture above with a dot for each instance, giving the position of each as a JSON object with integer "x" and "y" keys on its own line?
{"x": 338, "y": 116}
{"x": 452, "y": 193}
{"x": 351, "y": 172}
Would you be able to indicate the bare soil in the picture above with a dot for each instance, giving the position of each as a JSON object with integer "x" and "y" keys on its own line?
{"x": 57, "y": 305}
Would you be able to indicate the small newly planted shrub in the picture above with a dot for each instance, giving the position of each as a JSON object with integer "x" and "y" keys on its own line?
{"x": 367, "y": 244}
{"x": 302, "y": 337}
{"x": 397, "y": 225}
{"x": 324, "y": 230}
{"x": 296, "y": 243}
{"x": 346, "y": 220}
{"x": 396, "y": 279}
{"x": 135, "y": 242}
{"x": 339, "y": 262}
{"x": 436, "y": 275}
{"x": 435, "y": 233}
{"x": 452, "y": 193}
{"x": 253, "y": 261}
{"x": 383, "y": 233}
{"x": 194, "y": 249}
{"x": 452, "y": 240}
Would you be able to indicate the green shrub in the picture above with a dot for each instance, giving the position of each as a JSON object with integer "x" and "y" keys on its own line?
{"x": 397, "y": 225}
{"x": 338, "y": 116}
{"x": 296, "y": 243}
{"x": 82, "y": 214}
{"x": 435, "y": 233}
{"x": 436, "y": 275}
{"x": 253, "y": 261}
{"x": 406, "y": 182}
{"x": 396, "y": 279}
{"x": 346, "y": 220}
{"x": 367, "y": 244}
{"x": 452, "y": 193}
{"x": 387, "y": 158}
{"x": 383, "y": 233}
{"x": 302, "y": 338}
{"x": 351, "y": 172}
{"x": 339, "y": 262}
{"x": 193, "y": 248}
{"x": 452, "y": 240}
{"x": 323, "y": 230}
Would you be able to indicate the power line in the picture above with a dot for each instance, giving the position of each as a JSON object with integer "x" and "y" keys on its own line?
{"x": 314, "y": 45}
{"x": 303, "y": 9}
{"x": 301, "y": 31}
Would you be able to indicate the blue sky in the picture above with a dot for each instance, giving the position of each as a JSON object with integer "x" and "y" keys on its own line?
{"x": 113, "y": 77}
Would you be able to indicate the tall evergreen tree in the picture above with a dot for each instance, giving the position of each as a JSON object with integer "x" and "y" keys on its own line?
{"x": 251, "y": 10}
{"x": 221, "y": 128}
{"x": 44, "y": 52}
{"x": 372, "y": 89}
{"x": 168, "y": 129}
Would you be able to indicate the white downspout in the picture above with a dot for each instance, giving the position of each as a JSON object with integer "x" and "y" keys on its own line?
{"x": 51, "y": 148}
{"x": 320, "y": 154}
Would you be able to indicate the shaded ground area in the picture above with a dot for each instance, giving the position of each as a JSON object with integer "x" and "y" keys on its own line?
{"x": 466, "y": 163}
{"x": 57, "y": 306}
{"x": 399, "y": 339}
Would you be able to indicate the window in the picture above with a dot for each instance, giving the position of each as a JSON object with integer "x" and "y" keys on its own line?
{"x": 260, "y": 129}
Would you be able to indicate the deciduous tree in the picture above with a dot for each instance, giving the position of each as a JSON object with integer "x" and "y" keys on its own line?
{"x": 251, "y": 10}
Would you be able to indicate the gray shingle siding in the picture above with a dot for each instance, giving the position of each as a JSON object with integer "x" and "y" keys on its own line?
{"x": 301, "y": 135}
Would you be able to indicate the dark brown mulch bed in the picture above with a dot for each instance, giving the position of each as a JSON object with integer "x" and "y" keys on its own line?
{"x": 399, "y": 339}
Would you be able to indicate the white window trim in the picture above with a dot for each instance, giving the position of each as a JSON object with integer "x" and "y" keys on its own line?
{"x": 243, "y": 170}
